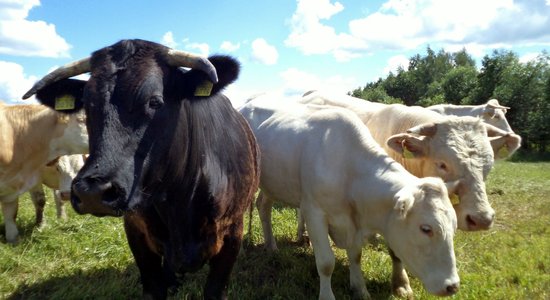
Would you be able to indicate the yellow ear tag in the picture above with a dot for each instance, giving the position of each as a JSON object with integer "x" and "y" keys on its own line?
{"x": 64, "y": 102}
{"x": 454, "y": 199}
{"x": 503, "y": 152}
{"x": 204, "y": 89}
{"x": 407, "y": 153}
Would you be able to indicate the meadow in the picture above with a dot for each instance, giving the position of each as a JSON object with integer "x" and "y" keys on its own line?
{"x": 88, "y": 258}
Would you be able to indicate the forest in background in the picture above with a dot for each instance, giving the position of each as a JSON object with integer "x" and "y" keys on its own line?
{"x": 454, "y": 78}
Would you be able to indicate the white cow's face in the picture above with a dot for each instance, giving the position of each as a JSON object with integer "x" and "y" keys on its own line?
{"x": 421, "y": 231}
{"x": 73, "y": 137}
{"x": 497, "y": 118}
{"x": 456, "y": 148}
{"x": 67, "y": 168}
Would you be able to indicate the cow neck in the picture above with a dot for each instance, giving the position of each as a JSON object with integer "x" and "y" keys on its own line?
{"x": 373, "y": 191}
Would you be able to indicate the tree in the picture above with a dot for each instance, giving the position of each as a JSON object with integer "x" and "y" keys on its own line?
{"x": 458, "y": 84}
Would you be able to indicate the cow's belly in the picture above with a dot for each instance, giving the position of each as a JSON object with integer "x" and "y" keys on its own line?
{"x": 279, "y": 178}
{"x": 15, "y": 186}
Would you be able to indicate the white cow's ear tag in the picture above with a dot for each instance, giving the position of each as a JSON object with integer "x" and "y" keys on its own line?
{"x": 64, "y": 102}
{"x": 503, "y": 152}
{"x": 407, "y": 153}
{"x": 204, "y": 89}
{"x": 454, "y": 199}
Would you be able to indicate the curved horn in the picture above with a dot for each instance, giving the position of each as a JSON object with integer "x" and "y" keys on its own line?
{"x": 69, "y": 70}
{"x": 424, "y": 129}
{"x": 184, "y": 59}
{"x": 493, "y": 103}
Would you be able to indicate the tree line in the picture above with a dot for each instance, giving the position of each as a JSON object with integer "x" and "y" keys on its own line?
{"x": 453, "y": 78}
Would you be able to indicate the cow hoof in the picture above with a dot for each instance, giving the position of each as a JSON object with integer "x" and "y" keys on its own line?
{"x": 12, "y": 241}
{"x": 304, "y": 241}
{"x": 404, "y": 292}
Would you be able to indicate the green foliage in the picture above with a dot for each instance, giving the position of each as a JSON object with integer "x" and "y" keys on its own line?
{"x": 88, "y": 257}
{"x": 453, "y": 78}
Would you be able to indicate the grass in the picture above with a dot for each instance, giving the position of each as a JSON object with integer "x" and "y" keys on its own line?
{"x": 88, "y": 258}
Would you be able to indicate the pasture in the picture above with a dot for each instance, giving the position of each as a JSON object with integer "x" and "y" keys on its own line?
{"x": 88, "y": 257}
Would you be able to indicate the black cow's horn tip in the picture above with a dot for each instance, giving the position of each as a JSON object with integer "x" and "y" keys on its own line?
{"x": 28, "y": 95}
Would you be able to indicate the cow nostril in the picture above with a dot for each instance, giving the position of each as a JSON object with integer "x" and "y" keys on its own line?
{"x": 453, "y": 288}
{"x": 470, "y": 221}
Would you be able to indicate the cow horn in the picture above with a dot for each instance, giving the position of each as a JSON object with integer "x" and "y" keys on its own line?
{"x": 493, "y": 103}
{"x": 69, "y": 70}
{"x": 425, "y": 129}
{"x": 184, "y": 59}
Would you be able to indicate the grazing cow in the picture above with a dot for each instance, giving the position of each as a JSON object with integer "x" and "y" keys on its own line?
{"x": 58, "y": 176}
{"x": 30, "y": 137}
{"x": 430, "y": 144}
{"x": 168, "y": 152}
{"x": 324, "y": 161}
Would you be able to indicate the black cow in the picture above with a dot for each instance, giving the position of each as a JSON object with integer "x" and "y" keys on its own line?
{"x": 167, "y": 151}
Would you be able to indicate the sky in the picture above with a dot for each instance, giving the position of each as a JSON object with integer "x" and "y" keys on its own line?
{"x": 286, "y": 46}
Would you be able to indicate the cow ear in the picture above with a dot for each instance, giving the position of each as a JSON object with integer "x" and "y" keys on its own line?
{"x": 504, "y": 146}
{"x": 404, "y": 200}
{"x": 64, "y": 95}
{"x": 197, "y": 84}
{"x": 409, "y": 146}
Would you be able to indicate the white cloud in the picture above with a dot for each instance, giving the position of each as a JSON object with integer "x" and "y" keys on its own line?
{"x": 19, "y": 36}
{"x": 297, "y": 82}
{"x": 230, "y": 47}
{"x": 264, "y": 52}
{"x": 395, "y": 62}
{"x": 528, "y": 57}
{"x": 14, "y": 82}
{"x": 406, "y": 25}
{"x": 312, "y": 37}
{"x": 168, "y": 40}
{"x": 202, "y": 48}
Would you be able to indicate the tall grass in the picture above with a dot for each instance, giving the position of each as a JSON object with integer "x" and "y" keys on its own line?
{"x": 88, "y": 257}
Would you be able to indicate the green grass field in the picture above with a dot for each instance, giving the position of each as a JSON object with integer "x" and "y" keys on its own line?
{"x": 88, "y": 258}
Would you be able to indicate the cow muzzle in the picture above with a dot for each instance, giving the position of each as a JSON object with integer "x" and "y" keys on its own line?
{"x": 97, "y": 197}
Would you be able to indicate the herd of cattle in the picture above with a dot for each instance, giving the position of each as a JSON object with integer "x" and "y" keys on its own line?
{"x": 150, "y": 137}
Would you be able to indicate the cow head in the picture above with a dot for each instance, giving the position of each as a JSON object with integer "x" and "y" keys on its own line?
{"x": 67, "y": 167}
{"x": 133, "y": 101}
{"x": 453, "y": 148}
{"x": 420, "y": 232}
{"x": 495, "y": 114}
{"x": 73, "y": 138}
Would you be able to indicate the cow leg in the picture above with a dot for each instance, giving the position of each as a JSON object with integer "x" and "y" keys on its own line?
{"x": 221, "y": 266}
{"x": 324, "y": 257}
{"x": 9, "y": 209}
{"x": 39, "y": 200}
{"x": 149, "y": 263}
{"x": 357, "y": 283}
{"x": 265, "y": 205}
{"x": 59, "y": 205}
{"x": 303, "y": 239}
{"x": 399, "y": 279}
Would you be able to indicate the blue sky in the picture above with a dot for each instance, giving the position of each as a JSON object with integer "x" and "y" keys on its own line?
{"x": 289, "y": 46}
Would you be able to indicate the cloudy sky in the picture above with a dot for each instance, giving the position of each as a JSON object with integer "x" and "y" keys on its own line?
{"x": 289, "y": 46}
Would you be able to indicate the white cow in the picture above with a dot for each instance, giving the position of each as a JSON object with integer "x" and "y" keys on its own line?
{"x": 31, "y": 136}
{"x": 427, "y": 143}
{"x": 58, "y": 176}
{"x": 325, "y": 162}
{"x": 491, "y": 112}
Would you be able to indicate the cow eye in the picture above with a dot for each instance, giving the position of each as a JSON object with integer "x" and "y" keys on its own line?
{"x": 427, "y": 230}
{"x": 156, "y": 102}
{"x": 442, "y": 166}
